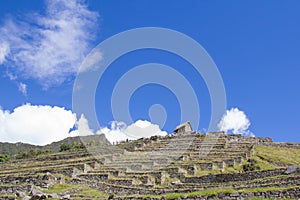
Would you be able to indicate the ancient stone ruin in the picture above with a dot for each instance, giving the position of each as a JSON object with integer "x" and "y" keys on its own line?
{"x": 186, "y": 165}
{"x": 183, "y": 128}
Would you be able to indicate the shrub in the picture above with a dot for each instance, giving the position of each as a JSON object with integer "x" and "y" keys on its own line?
{"x": 71, "y": 147}
{"x": 4, "y": 157}
{"x": 250, "y": 165}
{"x": 32, "y": 154}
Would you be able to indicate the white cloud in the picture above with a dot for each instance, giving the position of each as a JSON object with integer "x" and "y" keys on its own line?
{"x": 11, "y": 76}
{"x": 144, "y": 129}
{"x": 23, "y": 88}
{"x": 235, "y": 121}
{"x": 49, "y": 47}
{"x": 4, "y": 51}
{"x": 83, "y": 128}
{"x": 91, "y": 63}
{"x": 38, "y": 125}
{"x": 140, "y": 129}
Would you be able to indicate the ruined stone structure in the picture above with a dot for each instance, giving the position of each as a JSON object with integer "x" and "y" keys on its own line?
{"x": 183, "y": 128}
{"x": 193, "y": 165}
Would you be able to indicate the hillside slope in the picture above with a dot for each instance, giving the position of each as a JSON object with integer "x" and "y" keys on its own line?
{"x": 13, "y": 149}
{"x": 190, "y": 165}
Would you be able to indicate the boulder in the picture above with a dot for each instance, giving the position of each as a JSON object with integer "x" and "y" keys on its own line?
{"x": 54, "y": 196}
{"x": 20, "y": 194}
{"x": 65, "y": 197}
{"x": 37, "y": 194}
{"x": 291, "y": 169}
{"x": 177, "y": 182}
{"x": 49, "y": 179}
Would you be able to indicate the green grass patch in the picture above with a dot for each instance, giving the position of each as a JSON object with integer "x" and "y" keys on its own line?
{"x": 266, "y": 189}
{"x": 7, "y": 195}
{"x": 207, "y": 172}
{"x": 168, "y": 181}
{"x": 257, "y": 198}
{"x": 214, "y": 191}
{"x": 76, "y": 190}
{"x": 255, "y": 163}
{"x": 278, "y": 154}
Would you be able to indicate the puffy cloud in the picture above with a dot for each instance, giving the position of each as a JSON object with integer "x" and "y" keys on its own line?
{"x": 140, "y": 129}
{"x": 40, "y": 125}
{"x": 235, "y": 121}
{"x": 49, "y": 47}
{"x": 33, "y": 124}
{"x": 144, "y": 129}
{"x": 82, "y": 127}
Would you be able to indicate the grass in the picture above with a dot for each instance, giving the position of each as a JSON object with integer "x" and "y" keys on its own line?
{"x": 263, "y": 164}
{"x": 213, "y": 192}
{"x": 259, "y": 163}
{"x": 280, "y": 155}
{"x": 216, "y": 170}
{"x": 203, "y": 173}
{"x": 60, "y": 188}
{"x": 7, "y": 195}
{"x": 266, "y": 189}
{"x": 168, "y": 181}
{"x": 76, "y": 190}
{"x": 257, "y": 198}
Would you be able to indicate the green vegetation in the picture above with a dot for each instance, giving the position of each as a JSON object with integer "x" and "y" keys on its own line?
{"x": 32, "y": 154}
{"x": 61, "y": 175}
{"x": 169, "y": 180}
{"x": 215, "y": 191}
{"x": 267, "y": 189}
{"x": 207, "y": 172}
{"x": 71, "y": 147}
{"x": 256, "y": 198}
{"x": 76, "y": 190}
{"x": 266, "y": 158}
{"x": 17, "y": 148}
{"x": 250, "y": 165}
{"x": 4, "y": 196}
{"x": 278, "y": 155}
{"x": 4, "y": 157}
{"x": 70, "y": 156}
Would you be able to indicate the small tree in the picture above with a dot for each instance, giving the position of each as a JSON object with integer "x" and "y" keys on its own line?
{"x": 4, "y": 157}
{"x": 65, "y": 147}
{"x": 72, "y": 147}
{"x": 251, "y": 165}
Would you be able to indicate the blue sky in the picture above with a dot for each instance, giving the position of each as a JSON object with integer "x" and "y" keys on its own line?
{"x": 255, "y": 45}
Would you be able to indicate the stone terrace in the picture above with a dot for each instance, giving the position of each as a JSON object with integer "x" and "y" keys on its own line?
{"x": 182, "y": 164}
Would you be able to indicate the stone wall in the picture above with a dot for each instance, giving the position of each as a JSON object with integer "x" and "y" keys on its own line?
{"x": 233, "y": 177}
{"x": 293, "y": 193}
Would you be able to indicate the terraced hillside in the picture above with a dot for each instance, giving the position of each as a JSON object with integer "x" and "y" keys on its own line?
{"x": 190, "y": 165}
